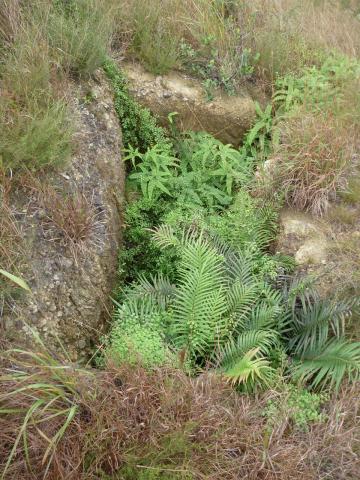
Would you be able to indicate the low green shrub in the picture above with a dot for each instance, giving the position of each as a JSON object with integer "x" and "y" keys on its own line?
{"x": 140, "y": 255}
{"x": 139, "y": 128}
{"x": 138, "y": 339}
{"x": 297, "y": 405}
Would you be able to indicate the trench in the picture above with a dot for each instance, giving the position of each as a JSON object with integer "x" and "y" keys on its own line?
{"x": 189, "y": 199}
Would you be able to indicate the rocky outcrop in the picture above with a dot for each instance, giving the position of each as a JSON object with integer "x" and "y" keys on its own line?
{"x": 303, "y": 237}
{"x": 71, "y": 281}
{"x": 226, "y": 117}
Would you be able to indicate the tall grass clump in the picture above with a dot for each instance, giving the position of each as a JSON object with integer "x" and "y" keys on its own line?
{"x": 155, "y": 35}
{"x": 80, "y": 33}
{"x": 313, "y": 160}
{"x": 35, "y": 126}
{"x": 42, "y": 46}
{"x": 224, "y": 42}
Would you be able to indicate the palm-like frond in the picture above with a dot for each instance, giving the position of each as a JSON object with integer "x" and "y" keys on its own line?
{"x": 263, "y": 316}
{"x": 164, "y": 236}
{"x": 263, "y": 340}
{"x": 250, "y": 370}
{"x": 157, "y": 289}
{"x": 328, "y": 366}
{"x": 238, "y": 267}
{"x": 200, "y": 301}
{"x": 241, "y": 298}
{"x": 311, "y": 324}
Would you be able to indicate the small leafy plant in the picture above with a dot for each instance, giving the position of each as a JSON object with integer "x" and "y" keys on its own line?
{"x": 298, "y": 405}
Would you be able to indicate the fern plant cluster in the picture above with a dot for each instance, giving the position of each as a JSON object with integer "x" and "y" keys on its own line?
{"x": 200, "y": 288}
{"x": 219, "y": 314}
{"x": 204, "y": 172}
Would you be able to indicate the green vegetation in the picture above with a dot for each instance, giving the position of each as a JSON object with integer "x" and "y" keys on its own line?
{"x": 223, "y": 42}
{"x": 41, "y": 47}
{"x": 212, "y": 296}
{"x": 217, "y": 363}
{"x": 139, "y": 127}
{"x": 299, "y": 405}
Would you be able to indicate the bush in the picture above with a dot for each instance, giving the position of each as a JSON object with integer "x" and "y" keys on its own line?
{"x": 139, "y": 127}
{"x": 140, "y": 255}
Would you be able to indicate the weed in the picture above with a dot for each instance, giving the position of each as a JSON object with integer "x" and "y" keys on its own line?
{"x": 155, "y": 38}
{"x": 138, "y": 339}
{"x": 352, "y": 194}
{"x": 42, "y": 390}
{"x": 11, "y": 244}
{"x": 69, "y": 218}
{"x": 343, "y": 214}
{"x": 35, "y": 137}
{"x": 298, "y": 406}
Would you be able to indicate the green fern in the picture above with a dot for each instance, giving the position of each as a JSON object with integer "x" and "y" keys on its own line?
{"x": 312, "y": 324}
{"x": 157, "y": 290}
{"x": 328, "y": 366}
{"x": 263, "y": 340}
{"x": 250, "y": 370}
{"x": 200, "y": 301}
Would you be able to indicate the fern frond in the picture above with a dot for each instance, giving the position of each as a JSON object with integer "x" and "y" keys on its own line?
{"x": 263, "y": 316}
{"x": 157, "y": 289}
{"x": 311, "y": 324}
{"x": 164, "y": 236}
{"x": 250, "y": 370}
{"x": 263, "y": 340}
{"x": 200, "y": 301}
{"x": 328, "y": 366}
{"x": 241, "y": 298}
{"x": 238, "y": 267}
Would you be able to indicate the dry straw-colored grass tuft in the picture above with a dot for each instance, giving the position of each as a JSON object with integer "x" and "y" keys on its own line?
{"x": 72, "y": 424}
{"x": 312, "y": 161}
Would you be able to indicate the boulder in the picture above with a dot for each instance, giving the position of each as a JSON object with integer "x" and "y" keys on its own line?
{"x": 71, "y": 284}
{"x": 302, "y": 236}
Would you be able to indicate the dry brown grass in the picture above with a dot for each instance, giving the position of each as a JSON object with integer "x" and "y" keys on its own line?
{"x": 69, "y": 217}
{"x": 129, "y": 420}
{"x": 323, "y": 24}
{"x": 10, "y": 18}
{"x": 313, "y": 159}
